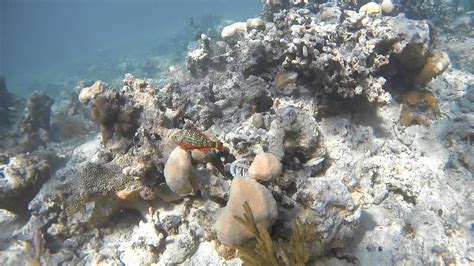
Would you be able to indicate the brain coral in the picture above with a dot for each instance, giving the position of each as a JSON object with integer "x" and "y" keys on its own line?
{"x": 99, "y": 179}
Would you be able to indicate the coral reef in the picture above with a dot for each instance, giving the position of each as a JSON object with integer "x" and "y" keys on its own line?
{"x": 349, "y": 123}
{"x": 439, "y": 12}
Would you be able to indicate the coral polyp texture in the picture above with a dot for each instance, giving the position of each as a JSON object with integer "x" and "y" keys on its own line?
{"x": 315, "y": 133}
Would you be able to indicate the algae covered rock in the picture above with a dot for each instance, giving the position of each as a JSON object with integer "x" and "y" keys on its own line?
{"x": 179, "y": 172}
{"x": 20, "y": 180}
{"x": 371, "y": 8}
{"x": 264, "y": 167}
{"x": 38, "y": 112}
{"x": 261, "y": 201}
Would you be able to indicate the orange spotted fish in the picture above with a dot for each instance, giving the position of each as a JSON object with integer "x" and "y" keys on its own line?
{"x": 190, "y": 139}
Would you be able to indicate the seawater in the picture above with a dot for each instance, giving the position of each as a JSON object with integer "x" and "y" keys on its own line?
{"x": 51, "y": 45}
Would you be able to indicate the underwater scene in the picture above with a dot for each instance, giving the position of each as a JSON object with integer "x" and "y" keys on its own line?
{"x": 236, "y": 132}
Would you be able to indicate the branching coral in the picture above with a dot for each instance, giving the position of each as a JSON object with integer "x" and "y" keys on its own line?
{"x": 293, "y": 252}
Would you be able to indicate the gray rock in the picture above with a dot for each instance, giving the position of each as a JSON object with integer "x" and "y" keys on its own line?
{"x": 330, "y": 206}
{"x": 178, "y": 248}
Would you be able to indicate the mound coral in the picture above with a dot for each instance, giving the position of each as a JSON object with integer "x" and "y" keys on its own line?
{"x": 255, "y": 23}
{"x": 234, "y": 32}
{"x": 264, "y": 167}
{"x": 260, "y": 199}
{"x": 387, "y": 6}
{"x": 179, "y": 172}
{"x": 371, "y": 8}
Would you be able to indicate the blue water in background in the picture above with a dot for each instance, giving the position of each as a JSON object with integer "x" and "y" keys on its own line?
{"x": 50, "y": 45}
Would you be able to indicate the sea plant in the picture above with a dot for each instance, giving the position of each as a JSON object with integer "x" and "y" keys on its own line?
{"x": 293, "y": 252}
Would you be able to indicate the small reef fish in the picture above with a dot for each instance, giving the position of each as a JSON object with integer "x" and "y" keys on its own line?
{"x": 189, "y": 139}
